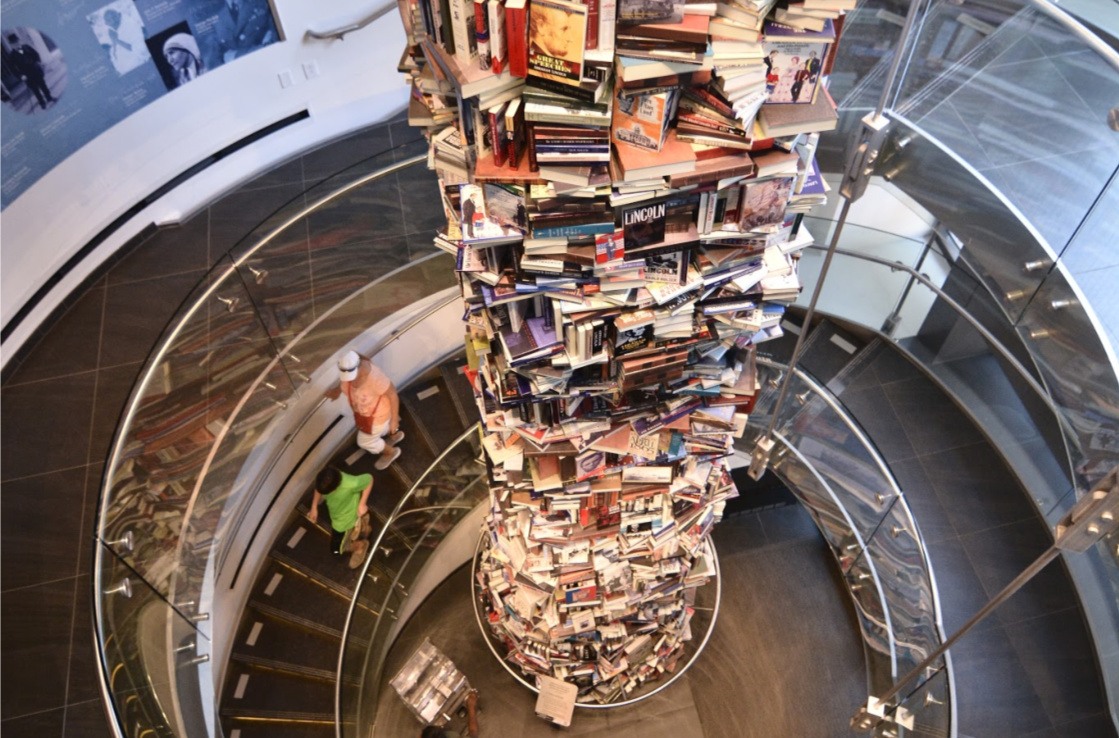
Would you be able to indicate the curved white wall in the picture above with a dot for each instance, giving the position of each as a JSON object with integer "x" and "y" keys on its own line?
{"x": 356, "y": 84}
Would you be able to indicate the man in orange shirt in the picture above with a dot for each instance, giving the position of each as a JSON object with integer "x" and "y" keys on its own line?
{"x": 376, "y": 407}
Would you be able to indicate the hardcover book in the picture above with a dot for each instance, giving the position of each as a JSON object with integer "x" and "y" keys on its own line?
{"x": 516, "y": 36}
{"x": 764, "y": 203}
{"x": 789, "y": 120}
{"x": 642, "y": 120}
{"x": 609, "y": 247}
{"x": 644, "y": 223}
{"x": 794, "y": 61}
{"x": 488, "y": 221}
{"x": 648, "y": 11}
{"x": 556, "y": 33}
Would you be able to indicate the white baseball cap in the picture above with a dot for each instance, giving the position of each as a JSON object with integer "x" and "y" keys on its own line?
{"x": 348, "y": 366}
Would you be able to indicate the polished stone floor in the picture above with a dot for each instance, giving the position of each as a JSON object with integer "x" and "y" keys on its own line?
{"x": 62, "y": 398}
{"x": 778, "y": 578}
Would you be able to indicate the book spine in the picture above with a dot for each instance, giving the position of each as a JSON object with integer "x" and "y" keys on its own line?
{"x": 712, "y": 206}
{"x": 581, "y": 94}
{"x": 720, "y": 210}
{"x": 699, "y": 177}
{"x": 462, "y": 18}
{"x": 558, "y": 148}
{"x": 497, "y": 137}
{"x": 714, "y": 125}
{"x": 531, "y": 146}
{"x": 482, "y": 33}
{"x": 593, "y": 10}
{"x": 586, "y": 229}
{"x": 482, "y": 141}
{"x": 598, "y": 336}
{"x": 514, "y": 127}
{"x": 730, "y": 215}
{"x": 516, "y": 37}
{"x": 833, "y": 47}
{"x": 607, "y": 18}
{"x": 707, "y": 97}
{"x": 447, "y": 25}
{"x": 496, "y": 23}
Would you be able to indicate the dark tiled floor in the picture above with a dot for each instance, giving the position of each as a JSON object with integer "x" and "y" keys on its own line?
{"x": 62, "y": 399}
{"x": 738, "y": 688}
{"x": 981, "y": 530}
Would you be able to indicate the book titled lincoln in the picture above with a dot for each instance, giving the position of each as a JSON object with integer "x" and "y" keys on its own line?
{"x": 557, "y": 30}
{"x": 644, "y": 223}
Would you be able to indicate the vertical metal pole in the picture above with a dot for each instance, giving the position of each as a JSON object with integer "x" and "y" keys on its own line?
{"x": 860, "y": 163}
{"x": 1020, "y": 581}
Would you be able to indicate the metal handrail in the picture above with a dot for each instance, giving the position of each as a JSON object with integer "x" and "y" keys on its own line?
{"x": 989, "y": 337}
{"x": 1062, "y": 16}
{"x": 837, "y": 407}
{"x": 340, "y": 33}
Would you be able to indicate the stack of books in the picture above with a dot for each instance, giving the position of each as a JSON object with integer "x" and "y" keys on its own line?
{"x": 623, "y": 181}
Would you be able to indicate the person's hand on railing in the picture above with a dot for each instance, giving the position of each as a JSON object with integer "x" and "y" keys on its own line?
{"x": 313, "y": 515}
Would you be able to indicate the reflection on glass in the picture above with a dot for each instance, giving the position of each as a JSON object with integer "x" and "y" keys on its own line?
{"x": 453, "y": 486}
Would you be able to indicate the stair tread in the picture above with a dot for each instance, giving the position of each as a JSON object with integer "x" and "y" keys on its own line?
{"x": 459, "y": 388}
{"x": 264, "y": 689}
{"x": 294, "y": 594}
{"x": 286, "y": 665}
{"x": 273, "y": 729}
{"x": 323, "y": 569}
{"x": 429, "y": 401}
{"x": 265, "y": 636}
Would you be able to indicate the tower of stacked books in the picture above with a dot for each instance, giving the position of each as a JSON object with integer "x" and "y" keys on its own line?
{"x": 622, "y": 181}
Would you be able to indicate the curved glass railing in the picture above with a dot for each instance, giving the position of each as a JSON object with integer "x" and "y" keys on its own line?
{"x": 1003, "y": 130}
{"x": 432, "y": 532}
{"x": 828, "y": 462}
{"x": 339, "y": 262}
{"x": 835, "y": 471}
{"x": 943, "y": 319}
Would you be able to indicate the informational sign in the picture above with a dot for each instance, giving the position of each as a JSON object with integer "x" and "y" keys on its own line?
{"x": 70, "y": 69}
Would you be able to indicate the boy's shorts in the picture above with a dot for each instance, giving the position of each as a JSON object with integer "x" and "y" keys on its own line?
{"x": 340, "y": 542}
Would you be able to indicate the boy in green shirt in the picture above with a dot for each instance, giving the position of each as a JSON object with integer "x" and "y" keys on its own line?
{"x": 346, "y": 497}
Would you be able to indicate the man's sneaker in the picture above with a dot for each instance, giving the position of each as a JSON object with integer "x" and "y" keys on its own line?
{"x": 386, "y": 458}
{"x": 357, "y": 553}
{"x": 396, "y": 438}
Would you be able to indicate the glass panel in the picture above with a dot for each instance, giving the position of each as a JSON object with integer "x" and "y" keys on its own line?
{"x": 862, "y": 584}
{"x": 330, "y": 244}
{"x": 185, "y": 468}
{"x": 425, "y": 519}
{"x": 155, "y": 660}
{"x": 929, "y": 704}
{"x": 1092, "y": 262}
{"x": 899, "y": 560}
{"x": 1080, "y": 376}
{"x": 869, "y": 35}
{"x": 930, "y": 330}
{"x": 835, "y": 452}
{"x": 1045, "y": 79}
{"x": 186, "y": 404}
